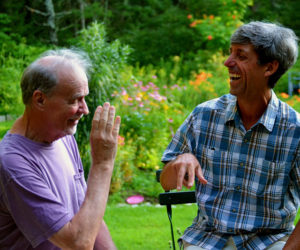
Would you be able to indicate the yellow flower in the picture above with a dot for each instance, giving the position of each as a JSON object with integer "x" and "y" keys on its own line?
{"x": 165, "y": 107}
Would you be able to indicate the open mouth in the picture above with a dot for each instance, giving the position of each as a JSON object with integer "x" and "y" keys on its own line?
{"x": 234, "y": 77}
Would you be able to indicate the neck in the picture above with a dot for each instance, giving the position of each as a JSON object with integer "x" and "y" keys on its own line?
{"x": 251, "y": 110}
{"x": 30, "y": 127}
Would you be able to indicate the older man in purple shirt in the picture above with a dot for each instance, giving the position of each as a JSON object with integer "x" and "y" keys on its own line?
{"x": 45, "y": 202}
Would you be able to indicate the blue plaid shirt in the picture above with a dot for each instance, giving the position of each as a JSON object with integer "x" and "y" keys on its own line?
{"x": 253, "y": 176}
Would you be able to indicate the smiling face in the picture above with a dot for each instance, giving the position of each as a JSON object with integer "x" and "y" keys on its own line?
{"x": 248, "y": 79}
{"x": 66, "y": 104}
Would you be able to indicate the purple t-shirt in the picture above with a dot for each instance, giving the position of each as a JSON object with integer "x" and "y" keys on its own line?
{"x": 42, "y": 187}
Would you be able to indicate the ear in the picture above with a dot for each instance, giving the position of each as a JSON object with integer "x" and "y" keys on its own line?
{"x": 39, "y": 99}
{"x": 271, "y": 68}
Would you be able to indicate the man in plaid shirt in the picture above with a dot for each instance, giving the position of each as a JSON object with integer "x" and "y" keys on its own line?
{"x": 243, "y": 150}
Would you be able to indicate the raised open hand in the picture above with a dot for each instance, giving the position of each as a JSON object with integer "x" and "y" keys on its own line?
{"x": 104, "y": 134}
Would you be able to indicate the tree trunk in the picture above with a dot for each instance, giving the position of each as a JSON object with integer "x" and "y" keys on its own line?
{"x": 82, "y": 17}
{"x": 51, "y": 21}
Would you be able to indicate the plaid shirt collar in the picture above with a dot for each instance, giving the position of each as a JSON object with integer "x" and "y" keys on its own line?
{"x": 267, "y": 119}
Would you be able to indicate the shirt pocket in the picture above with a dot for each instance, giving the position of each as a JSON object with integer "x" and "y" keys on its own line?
{"x": 219, "y": 167}
{"x": 80, "y": 186}
{"x": 267, "y": 179}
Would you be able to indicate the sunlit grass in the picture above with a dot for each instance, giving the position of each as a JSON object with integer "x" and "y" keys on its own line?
{"x": 147, "y": 227}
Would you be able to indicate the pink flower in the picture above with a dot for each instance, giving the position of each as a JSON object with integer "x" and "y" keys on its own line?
{"x": 170, "y": 120}
{"x": 151, "y": 84}
{"x": 121, "y": 140}
{"x": 144, "y": 88}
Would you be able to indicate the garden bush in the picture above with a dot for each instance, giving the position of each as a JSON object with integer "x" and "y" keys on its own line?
{"x": 14, "y": 58}
{"x": 108, "y": 60}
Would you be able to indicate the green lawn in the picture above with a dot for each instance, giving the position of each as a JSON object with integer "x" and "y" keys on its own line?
{"x": 146, "y": 227}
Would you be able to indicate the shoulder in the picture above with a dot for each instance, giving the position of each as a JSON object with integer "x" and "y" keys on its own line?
{"x": 288, "y": 115}
{"x": 218, "y": 104}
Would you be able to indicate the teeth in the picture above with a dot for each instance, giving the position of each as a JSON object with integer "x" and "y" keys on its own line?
{"x": 234, "y": 76}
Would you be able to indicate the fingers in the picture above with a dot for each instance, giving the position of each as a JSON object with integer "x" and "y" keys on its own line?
{"x": 104, "y": 116}
{"x": 116, "y": 127}
{"x": 96, "y": 118}
{"x": 200, "y": 176}
{"x": 180, "y": 177}
{"x": 110, "y": 119}
{"x": 191, "y": 177}
{"x": 104, "y": 119}
{"x": 187, "y": 166}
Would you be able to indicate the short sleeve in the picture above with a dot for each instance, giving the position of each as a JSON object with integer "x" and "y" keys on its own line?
{"x": 35, "y": 209}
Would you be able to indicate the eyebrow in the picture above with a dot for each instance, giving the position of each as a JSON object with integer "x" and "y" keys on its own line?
{"x": 238, "y": 50}
{"x": 76, "y": 96}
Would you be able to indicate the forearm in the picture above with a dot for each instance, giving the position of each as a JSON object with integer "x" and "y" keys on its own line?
{"x": 104, "y": 240}
{"x": 82, "y": 230}
{"x": 293, "y": 242}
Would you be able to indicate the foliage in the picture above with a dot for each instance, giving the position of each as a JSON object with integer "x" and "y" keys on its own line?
{"x": 214, "y": 29}
{"x": 108, "y": 60}
{"x": 176, "y": 63}
{"x": 285, "y": 12}
{"x": 13, "y": 60}
{"x": 4, "y": 127}
{"x": 146, "y": 126}
{"x": 153, "y": 104}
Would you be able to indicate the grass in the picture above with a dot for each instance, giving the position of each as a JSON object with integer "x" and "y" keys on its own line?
{"x": 147, "y": 226}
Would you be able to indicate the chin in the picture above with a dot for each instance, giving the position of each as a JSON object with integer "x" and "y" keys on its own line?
{"x": 233, "y": 92}
{"x": 71, "y": 130}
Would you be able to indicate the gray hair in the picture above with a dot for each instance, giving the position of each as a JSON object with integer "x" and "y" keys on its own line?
{"x": 44, "y": 76}
{"x": 271, "y": 42}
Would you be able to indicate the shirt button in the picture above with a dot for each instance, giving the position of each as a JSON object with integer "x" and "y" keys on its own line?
{"x": 237, "y": 187}
{"x": 245, "y": 140}
{"x": 241, "y": 164}
{"x": 233, "y": 210}
{"x": 230, "y": 230}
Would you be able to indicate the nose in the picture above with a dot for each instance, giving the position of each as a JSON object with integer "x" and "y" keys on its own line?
{"x": 83, "y": 107}
{"x": 229, "y": 62}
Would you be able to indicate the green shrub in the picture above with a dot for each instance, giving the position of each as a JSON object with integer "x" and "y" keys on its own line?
{"x": 14, "y": 58}
{"x": 108, "y": 59}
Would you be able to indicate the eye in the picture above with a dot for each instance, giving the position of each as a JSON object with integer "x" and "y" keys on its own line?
{"x": 73, "y": 101}
{"x": 241, "y": 57}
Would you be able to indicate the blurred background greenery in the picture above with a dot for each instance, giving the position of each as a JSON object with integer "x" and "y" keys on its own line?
{"x": 155, "y": 60}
